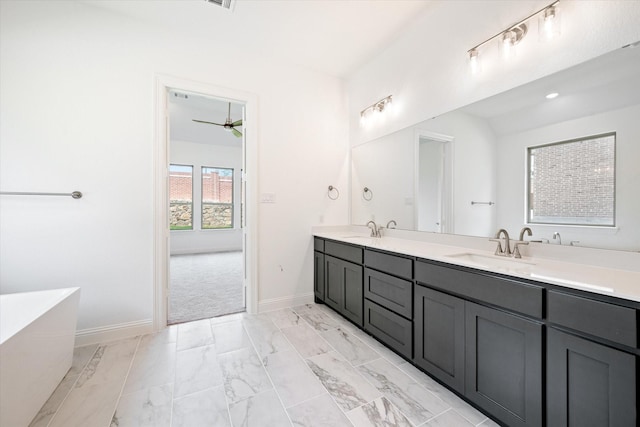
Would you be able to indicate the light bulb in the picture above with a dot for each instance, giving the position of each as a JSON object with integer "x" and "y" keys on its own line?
{"x": 363, "y": 120}
{"x": 474, "y": 61}
{"x": 549, "y": 23}
{"x": 508, "y": 45}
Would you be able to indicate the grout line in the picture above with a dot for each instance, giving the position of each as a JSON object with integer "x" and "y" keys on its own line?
{"x": 255, "y": 351}
{"x": 126, "y": 377}
{"x": 72, "y": 385}
{"x": 175, "y": 373}
{"x": 309, "y": 367}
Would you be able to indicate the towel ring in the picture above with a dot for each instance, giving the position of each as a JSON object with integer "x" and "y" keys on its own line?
{"x": 366, "y": 191}
{"x": 331, "y": 190}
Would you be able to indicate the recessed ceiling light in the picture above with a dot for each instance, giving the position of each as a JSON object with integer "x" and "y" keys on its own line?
{"x": 552, "y": 95}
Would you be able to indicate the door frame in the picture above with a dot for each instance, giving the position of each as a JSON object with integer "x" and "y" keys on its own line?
{"x": 448, "y": 186}
{"x": 163, "y": 83}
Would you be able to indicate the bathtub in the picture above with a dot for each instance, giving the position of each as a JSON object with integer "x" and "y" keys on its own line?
{"x": 37, "y": 333}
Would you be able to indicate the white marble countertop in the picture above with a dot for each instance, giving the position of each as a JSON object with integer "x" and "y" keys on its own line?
{"x": 601, "y": 280}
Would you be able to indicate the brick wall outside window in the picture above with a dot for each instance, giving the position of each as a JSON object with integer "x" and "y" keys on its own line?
{"x": 180, "y": 187}
{"x": 573, "y": 182}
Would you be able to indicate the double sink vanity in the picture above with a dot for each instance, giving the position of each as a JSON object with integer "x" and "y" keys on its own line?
{"x": 531, "y": 341}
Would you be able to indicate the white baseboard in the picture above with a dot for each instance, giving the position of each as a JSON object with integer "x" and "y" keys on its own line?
{"x": 113, "y": 332}
{"x": 284, "y": 302}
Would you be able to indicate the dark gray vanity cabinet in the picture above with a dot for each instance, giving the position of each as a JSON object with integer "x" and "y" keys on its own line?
{"x": 388, "y": 292}
{"x": 503, "y": 365}
{"x": 589, "y": 381}
{"x": 439, "y": 339}
{"x": 481, "y": 334}
{"x": 526, "y": 353}
{"x": 318, "y": 269}
{"x": 343, "y": 273}
{"x": 589, "y": 384}
{"x": 318, "y": 275}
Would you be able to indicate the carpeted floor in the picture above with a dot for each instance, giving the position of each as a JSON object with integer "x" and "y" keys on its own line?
{"x": 205, "y": 285}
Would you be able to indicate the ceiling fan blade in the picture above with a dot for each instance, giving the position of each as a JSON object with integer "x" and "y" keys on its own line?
{"x": 236, "y": 132}
{"x": 209, "y": 123}
{"x": 237, "y": 123}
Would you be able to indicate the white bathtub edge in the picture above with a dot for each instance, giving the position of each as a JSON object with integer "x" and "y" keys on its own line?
{"x": 113, "y": 332}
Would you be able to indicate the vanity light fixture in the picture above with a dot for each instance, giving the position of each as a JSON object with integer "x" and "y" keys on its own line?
{"x": 548, "y": 28}
{"x": 375, "y": 108}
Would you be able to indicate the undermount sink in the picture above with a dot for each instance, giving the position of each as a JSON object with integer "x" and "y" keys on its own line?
{"x": 495, "y": 262}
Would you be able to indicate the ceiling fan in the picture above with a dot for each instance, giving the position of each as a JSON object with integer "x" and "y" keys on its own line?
{"x": 228, "y": 125}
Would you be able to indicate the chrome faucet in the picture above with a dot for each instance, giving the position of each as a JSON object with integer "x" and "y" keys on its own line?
{"x": 374, "y": 230}
{"x": 507, "y": 249}
{"x": 556, "y": 235}
{"x": 395, "y": 224}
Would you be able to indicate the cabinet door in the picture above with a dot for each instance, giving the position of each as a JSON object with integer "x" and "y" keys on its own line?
{"x": 352, "y": 298}
{"x": 589, "y": 384}
{"x": 343, "y": 288}
{"x": 318, "y": 275}
{"x": 439, "y": 335}
{"x": 334, "y": 282}
{"x": 503, "y": 365}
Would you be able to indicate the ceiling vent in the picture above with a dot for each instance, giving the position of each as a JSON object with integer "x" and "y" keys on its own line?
{"x": 227, "y": 4}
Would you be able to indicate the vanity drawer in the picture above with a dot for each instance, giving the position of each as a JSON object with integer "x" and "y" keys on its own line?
{"x": 318, "y": 244}
{"x": 393, "y": 330}
{"x": 396, "y": 265}
{"x": 510, "y": 294}
{"x": 388, "y": 291}
{"x": 346, "y": 252}
{"x": 604, "y": 320}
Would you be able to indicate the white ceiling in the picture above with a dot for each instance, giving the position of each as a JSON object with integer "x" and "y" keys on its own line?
{"x": 331, "y": 36}
{"x": 183, "y": 110}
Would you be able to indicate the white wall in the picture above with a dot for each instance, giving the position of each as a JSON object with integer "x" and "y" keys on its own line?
{"x": 511, "y": 191}
{"x": 199, "y": 155}
{"x": 76, "y": 112}
{"x": 426, "y": 68}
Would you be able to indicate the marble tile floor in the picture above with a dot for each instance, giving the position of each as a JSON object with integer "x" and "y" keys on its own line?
{"x": 304, "y": 366}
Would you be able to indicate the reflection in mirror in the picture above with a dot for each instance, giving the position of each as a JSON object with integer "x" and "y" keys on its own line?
{"x": 433, "y": 183}
{"x": 572, "y": 182}
{"x": 426, "y": 176}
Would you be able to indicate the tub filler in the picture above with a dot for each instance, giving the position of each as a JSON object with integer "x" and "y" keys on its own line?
{"x": 37, "y": 334}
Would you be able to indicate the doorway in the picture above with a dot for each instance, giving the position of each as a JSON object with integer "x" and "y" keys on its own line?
{"x": 205, "y": 207}
{"x": 209, "y": 238}
{"x": 434, "y": 183}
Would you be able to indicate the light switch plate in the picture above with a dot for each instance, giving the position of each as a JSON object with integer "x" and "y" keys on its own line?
{"x": 267, "y": 198}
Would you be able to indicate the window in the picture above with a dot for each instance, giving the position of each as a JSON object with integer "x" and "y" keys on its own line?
{"x": 180, "y": 197}
{"x": 573, "y": 182}
{"x": 217, "y": 198}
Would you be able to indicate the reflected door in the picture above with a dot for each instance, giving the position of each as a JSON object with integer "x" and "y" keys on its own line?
{"x": 433, "y": 186}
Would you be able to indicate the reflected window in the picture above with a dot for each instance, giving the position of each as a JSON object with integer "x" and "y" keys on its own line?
{"x": 180, "y": 197}
{"x": 217, "y": 198}
{"x": 573, "y": 182}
